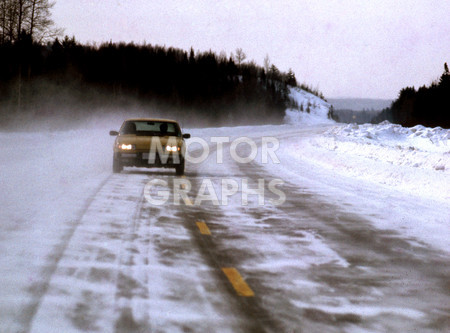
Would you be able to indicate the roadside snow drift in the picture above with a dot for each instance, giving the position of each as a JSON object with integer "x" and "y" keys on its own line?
{"x": 413, "y": 160}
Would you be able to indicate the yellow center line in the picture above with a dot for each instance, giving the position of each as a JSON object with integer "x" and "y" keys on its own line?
{"x": 204, "y": 230}
{"x": 238, "y": 282}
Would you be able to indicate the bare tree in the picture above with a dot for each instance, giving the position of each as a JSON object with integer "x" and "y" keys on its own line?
{"x": 8, "y": 21}
{"x": 40, "y": 25}
{"x": 267, "y": 63}
{"x": 3, "y": 21}
{"x": 21, "y": 13}
{"x": 31, "y": 17}
{"x": 240, "y": 56}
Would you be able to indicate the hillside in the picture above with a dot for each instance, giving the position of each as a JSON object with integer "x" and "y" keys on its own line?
{"x": 306, "y": 107}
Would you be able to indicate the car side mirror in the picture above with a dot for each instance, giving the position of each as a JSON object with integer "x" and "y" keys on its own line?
{"x": 113, "y": 133}
{"x": 186, "y": 136}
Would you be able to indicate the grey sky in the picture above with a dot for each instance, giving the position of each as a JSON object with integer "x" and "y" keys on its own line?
{"x": 347, "y": 48}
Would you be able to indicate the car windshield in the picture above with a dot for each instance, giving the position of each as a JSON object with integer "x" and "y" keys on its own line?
{"x": 160, "y": 128}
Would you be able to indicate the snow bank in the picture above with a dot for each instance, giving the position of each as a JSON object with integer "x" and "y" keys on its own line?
{"x": 417, "y": 147}
{"x": 414, "y": 138}
{"x": 412, "y": 160}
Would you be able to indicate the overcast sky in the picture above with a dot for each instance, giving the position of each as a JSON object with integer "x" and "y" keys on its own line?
{"x": 346, "y": 48}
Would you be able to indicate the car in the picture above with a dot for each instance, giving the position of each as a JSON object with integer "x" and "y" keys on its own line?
{"x": 149, "y": 142}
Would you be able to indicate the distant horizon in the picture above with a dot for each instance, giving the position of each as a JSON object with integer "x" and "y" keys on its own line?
{"x": 362, "y": 98}
{"x": 360, "y": 104}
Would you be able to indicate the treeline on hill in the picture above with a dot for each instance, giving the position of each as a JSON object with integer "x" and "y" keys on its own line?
{"x": 68, "y": 79}
{"x": 427, "y": 106}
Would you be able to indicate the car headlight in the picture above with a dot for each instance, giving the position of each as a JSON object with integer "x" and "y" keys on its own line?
{"x": 125, "y": 146}
{"x": 172, "y": 148}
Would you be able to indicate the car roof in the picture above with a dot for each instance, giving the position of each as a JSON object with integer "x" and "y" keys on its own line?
{"x": 152, "y": 119}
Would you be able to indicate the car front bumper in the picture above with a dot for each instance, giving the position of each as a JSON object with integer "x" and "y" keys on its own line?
{"x": 149, "y": 160}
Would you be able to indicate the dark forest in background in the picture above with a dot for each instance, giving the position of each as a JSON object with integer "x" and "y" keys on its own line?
{"x": 427, "y": 106}
{"x": 64, "y": 79}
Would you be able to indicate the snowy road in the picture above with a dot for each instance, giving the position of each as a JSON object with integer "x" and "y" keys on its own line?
{"x": 326, "y": 260}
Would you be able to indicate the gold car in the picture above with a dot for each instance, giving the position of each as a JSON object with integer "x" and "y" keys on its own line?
{"x": 149, "y": 143}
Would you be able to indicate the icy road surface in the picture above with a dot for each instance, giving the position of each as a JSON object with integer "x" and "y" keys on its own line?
{"x": 84, "y": 251}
